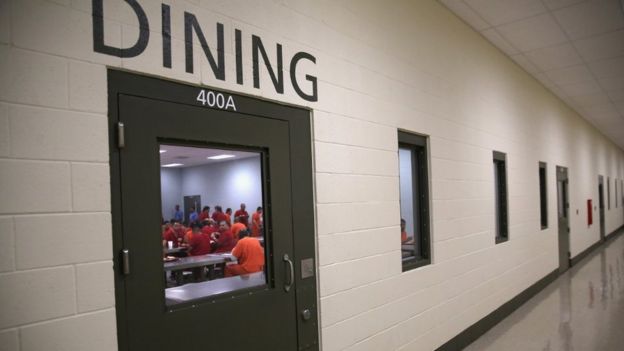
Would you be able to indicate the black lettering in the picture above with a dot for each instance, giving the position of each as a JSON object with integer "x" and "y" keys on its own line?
{"x": 166, "y": 35}
{"x": 278, "y": 82}
{"x": 98, "y": 31}
{"x": 190, "y": 24}
{"x": 293, "y": 76}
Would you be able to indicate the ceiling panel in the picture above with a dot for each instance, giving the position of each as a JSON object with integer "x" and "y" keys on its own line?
{"x": 602, "y": 46}
{"x": 612, "y": 83}
{"x": 533, "y": 33}
{"x": 590, "y": 18}
{"x": 495, "y": 38}
{"x": 557, "y": 4}
{"x": 554, "y": 57}
{"x": 525, "y": 63}
{"x": 583, "y": 89}
{"x": 498, "y": 12}
{"x": 466, "y": 13}
{"x": 588, "y": 100}
{"x": 608, "y": 68}
{"x": 575, "y": 48}
{"x": 616, "y": 95}
{"x": 570, "y": 75}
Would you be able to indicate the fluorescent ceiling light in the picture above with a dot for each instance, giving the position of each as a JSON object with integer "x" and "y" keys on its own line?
{"x": 163, "y": 151}
{"x": 172, "y": 165}
{"x": 220, "y": 157}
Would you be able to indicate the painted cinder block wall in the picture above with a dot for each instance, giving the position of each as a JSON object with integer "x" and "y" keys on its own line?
{"x": 381, "y": 66}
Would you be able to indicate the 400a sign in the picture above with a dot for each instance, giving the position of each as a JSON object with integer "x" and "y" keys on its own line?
{"x": 214, "y": 99}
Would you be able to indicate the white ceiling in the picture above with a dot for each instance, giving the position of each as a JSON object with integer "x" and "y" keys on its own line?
{"x": 196, "y": 156}
{"x": 574, "y": 47}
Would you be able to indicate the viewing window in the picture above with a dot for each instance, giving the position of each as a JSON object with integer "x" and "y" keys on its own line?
{"x": 543, "y": 196}
{"x": 212, "y": 221}
{"x": 500, "y": 193}
{"x": 608, "y": 193}
{"x": 414, "y": 197}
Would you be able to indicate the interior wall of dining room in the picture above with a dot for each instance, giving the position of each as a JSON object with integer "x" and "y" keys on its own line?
{"x": 227, "y": 184}
{"x": 409, "y": 65}
{"x": 170, "y": 191}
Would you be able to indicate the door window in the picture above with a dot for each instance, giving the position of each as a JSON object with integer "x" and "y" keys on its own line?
{"x": 219, "y": 247}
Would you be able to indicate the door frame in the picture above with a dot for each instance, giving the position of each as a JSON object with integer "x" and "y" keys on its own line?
{"x": 301, "y": 169}
{"x": 564, "y": 259}
{"x": 601, "y": 207}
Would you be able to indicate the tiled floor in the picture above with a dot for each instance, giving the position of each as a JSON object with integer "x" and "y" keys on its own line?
{"x": 583, "y": 310}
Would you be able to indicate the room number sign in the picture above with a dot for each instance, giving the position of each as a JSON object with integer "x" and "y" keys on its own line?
{"x": 213, "y": 99}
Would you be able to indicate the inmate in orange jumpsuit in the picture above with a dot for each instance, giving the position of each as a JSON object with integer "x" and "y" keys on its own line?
{"x": 237, "y": 227}
{"x": 250, "y": 256}
{"x": 255, "y": 223}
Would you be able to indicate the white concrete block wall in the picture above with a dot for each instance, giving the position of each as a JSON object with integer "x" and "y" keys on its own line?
{"x": 381, "y": 67}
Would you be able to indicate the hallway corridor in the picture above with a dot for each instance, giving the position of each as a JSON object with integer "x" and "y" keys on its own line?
{"x": 583, "y": 310}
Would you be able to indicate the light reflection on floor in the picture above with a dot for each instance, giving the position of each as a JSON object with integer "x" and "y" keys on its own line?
{"x": 583, "y": 310}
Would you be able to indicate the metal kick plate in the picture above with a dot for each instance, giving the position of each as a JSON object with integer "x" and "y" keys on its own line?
{"x": 307, "y": 268}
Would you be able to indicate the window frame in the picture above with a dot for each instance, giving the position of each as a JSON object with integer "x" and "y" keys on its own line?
{"x": 501, "y": 202}
{"x": 417, "y": 144}
{"x": 543, "y": 188}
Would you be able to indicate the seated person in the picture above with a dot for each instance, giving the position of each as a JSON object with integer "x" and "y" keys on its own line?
{"x": 250, "y": 256}
{"x": 175, "y": 234}
{"x": 237, "y": 227}
{"x": 199, "y": 244}
{"x": 223, "y": 239}
{"x": 404, "y": 238}
{"x": 209, "y": 226}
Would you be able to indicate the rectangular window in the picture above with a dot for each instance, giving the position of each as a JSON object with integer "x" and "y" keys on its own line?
{"x": 608, "y": 193}
{"x": 414, "y": 197}
{"x": 198, "y": 243}
{"x": 543, "y": 196}
{"x": 500, "y": 193}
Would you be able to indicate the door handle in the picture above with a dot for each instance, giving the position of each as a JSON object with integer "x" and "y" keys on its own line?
{"x": 291, "y": 269}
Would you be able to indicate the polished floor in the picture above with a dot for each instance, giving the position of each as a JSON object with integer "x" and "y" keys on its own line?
{"x": 583, "y": 310}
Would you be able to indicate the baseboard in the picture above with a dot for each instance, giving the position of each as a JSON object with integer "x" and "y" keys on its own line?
{"x": 576, "y": 259}
{"x": 473, "y": 332}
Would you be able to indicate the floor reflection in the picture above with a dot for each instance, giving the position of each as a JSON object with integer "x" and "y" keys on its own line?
{"x": 564, "y": 315}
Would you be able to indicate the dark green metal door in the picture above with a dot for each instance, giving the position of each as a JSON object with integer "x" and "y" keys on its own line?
{"x": 261, "y": 317}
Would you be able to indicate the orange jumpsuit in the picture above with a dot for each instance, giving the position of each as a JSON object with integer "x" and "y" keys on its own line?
{"x": 250, "y": 256}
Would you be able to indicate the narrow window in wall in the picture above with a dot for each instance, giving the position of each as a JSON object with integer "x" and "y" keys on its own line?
{"x": 414, "y": 197}
{"x": 543, "y": 196}
{"x": 500, "y": 193}
{"x": 608, "y": 193}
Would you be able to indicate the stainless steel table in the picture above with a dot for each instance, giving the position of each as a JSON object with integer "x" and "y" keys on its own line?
{"x": 209, "y": 260}
{"x": 175, "y": 250}
{"x": 194, "y": 291}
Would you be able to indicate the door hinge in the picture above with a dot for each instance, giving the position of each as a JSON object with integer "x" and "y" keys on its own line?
{"x": 125, "y": 261}
{"x": 121, "y": 135}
